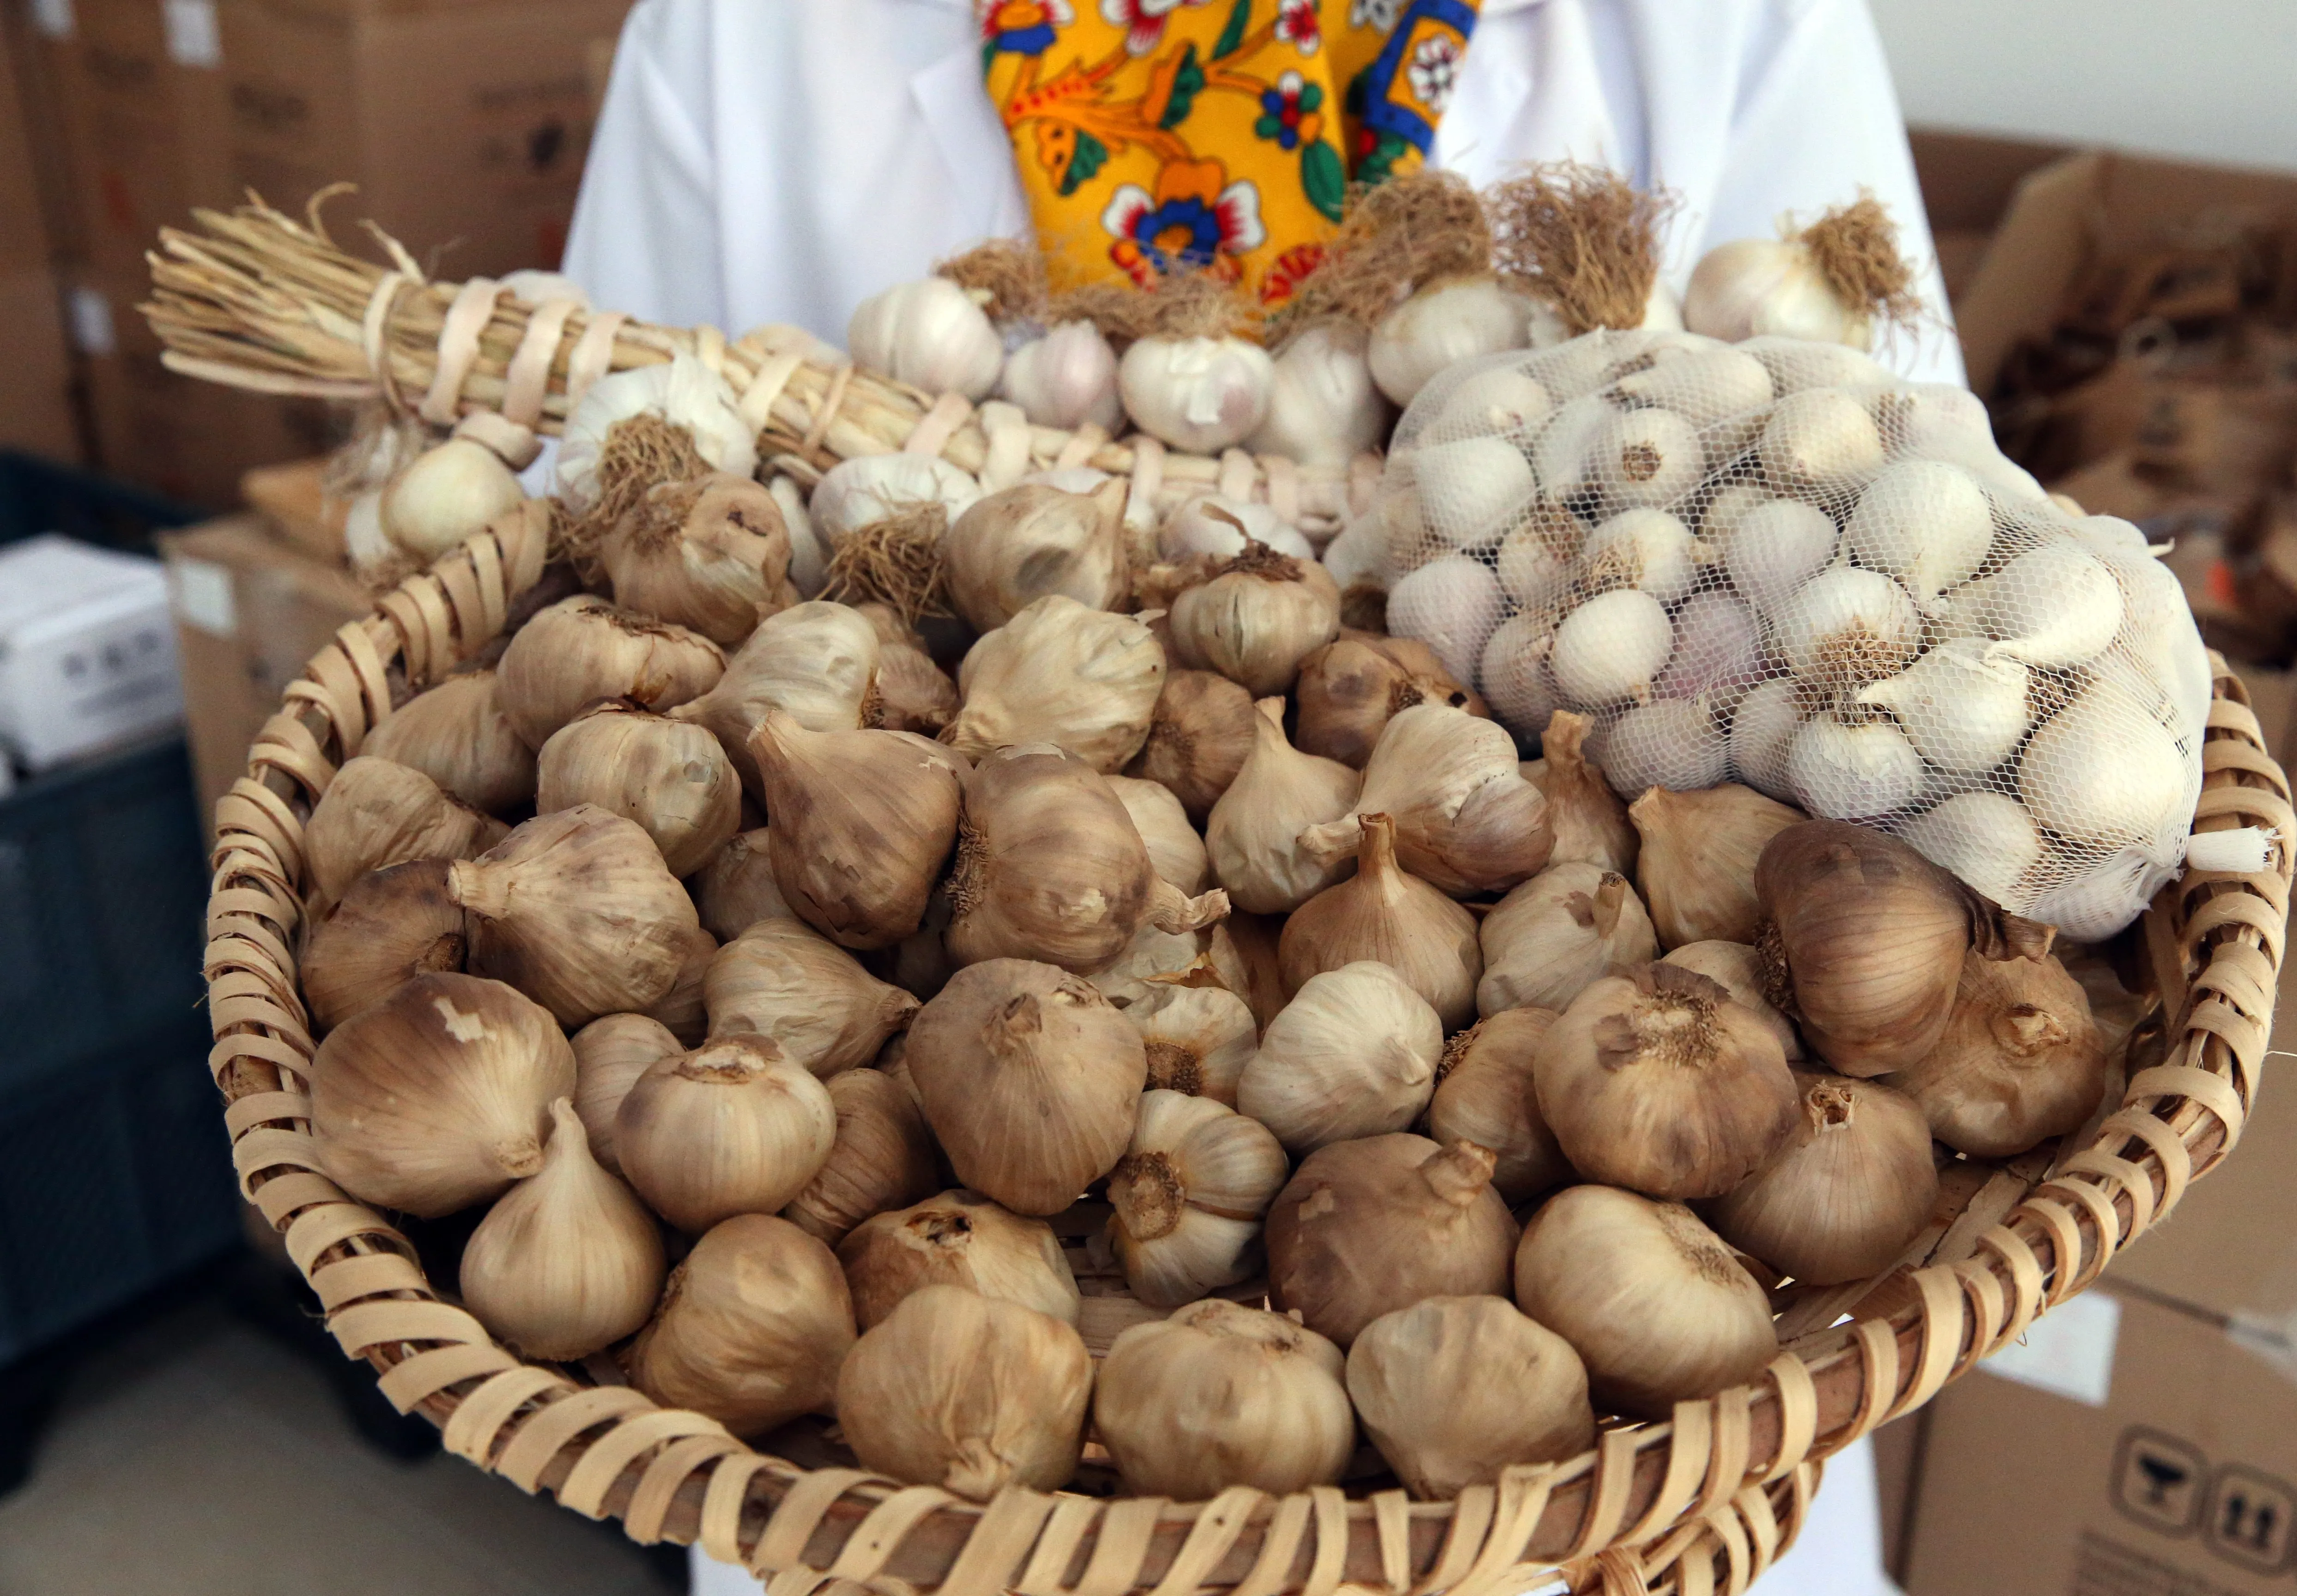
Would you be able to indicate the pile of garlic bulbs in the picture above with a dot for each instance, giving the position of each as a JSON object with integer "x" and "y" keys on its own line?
{"x": 1773, "y": 562}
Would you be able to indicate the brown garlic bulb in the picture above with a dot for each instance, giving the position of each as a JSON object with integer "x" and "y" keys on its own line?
{"x": 957, "y": 1238}
{"x": 1065, "y": 674}
{"x": 1364, "y": 1228}
{"x": 375, "y": 814}
{"x": 883, "y": 1158}
{"x": 962, "y": 1391}
{"x": 1485, "y": 1094}
{"x": 1455, "y": 1389}
{"x": 1699, "y": 854}
{"x": 567, "y": 1262}
{"x": 1255, "y": 616}
{"x": 583, "y": 648}
{"x": 1014, "y": 546}
{"x": 1187, "y": 1198}
{"x": 1738, "y": 968}
{"x": 1863, "y": 940}
{"x": 1050, "y": 867}
{"x": 913, "y": 693}
{"x": 1352, "y": 1053}
{"x": 1198, "y": 737}
{"x": 1198, "y": 1038}
{"x": 779, "y": 979}
{"x": 1657, "y": 1081}
{"x": 732, "y": 1127}
{"x": 717, "y": 569}
{"x": 816, "y": 663}
{"x": 1030, "y": 1079}
{"x": 1840, "y": 1200}
{"x": 1350, "y": 687}
{"x": 1151, "y": 958}
{"x": 1557, "y": 935}
{"x": 1653, "y": 1303}
{"x": 735, "y": 888}
{"x": 457, "y": 734}
{"x": 667, "y": 776}
{"x": 752, "y": 1328}
{"x": 390, "y": 927}
{"x": 1176, "y": 852}
{"x": 1242, "y": 951}
{"x": 1255, "y": 835}
{"x": 682, "y": 1007}
{"x": 577, "y": 911}
{"x": 2020, "y": 1061}
{"x": 439, "y": 1095}
{"x": 610, "y": 1054}
{"x": 1592, "y": 826}
{"x": 862, "y": 823}
{"x": 1392, "y": 918}
{"x": 1465, "y": 820}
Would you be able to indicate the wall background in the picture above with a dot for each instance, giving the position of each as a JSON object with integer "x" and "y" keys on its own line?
{"x": 2214, "y": 79}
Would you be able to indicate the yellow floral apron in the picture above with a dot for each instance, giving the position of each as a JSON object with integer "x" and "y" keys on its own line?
{"x": 1212, "y": 135}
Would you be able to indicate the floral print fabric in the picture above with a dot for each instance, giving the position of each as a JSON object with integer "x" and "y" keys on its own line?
{"x": 1212, "y": 135}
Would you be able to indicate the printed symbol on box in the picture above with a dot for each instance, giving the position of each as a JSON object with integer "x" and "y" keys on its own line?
{"x": 2159, "y": 1480}
{"x": 2249, "y": 1518}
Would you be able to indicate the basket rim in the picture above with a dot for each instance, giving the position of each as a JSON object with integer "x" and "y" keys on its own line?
{"x": 1712, "y": 1495}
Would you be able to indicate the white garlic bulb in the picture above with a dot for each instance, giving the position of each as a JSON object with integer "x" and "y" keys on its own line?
{"x": 931, "y": 334}
{"x": 1963, "y": 709}
{"x": 1471, "y": 490}
{"x": 1209, "y": 524}
{"x": 2105, "y": 772}
{"x": 1985, "y": 838}
{"x": 681, "y": 391}
{"x": 1199, "y": 394}
{"x": 1719, "y": 650}
{"x": 1846, "y": 626}
{"x": 1644, "y": 548}
{"x": 1357, "y": 558}
{"x": 1853, "y": 768}
{"x": 856, "y": 493}
{"x": 1066, "y": 379}
{"x": 1322, "y": 407}
{"x": 1500, "y": 398}
{"x": 1775, "y": 547}
{"x": 1820, "y": 439}
{"x": 1513, "y": 676}
{"x": 1648, "y": 457}
{"x": 1452, "y": 605}
{"x": 1701, "y": 385}
{"x": 451, "y": 493}
{"x": 1671, "y": 743}
{"x": 1611, "y": 647}
{"x": 1762, "y": 729}
{"x": 1198, "y": 1038}
{"x": 1758, "y": 286}
{"x": 1535, "y": 562}
{"x": 1923, "y": 522}
{"x": 1797, "y": 364}
{"x": 2055, "y": 606}
{"x": 1354, "y": 1054}
{"x": 1252, "y": 834}
{"x": 1443, "y": 325}
{"x": 1564, "y": 455}
{"x": 1189, "y": 1196}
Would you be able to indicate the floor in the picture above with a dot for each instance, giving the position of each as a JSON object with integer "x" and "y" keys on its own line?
{"x": 196, "y": 1457}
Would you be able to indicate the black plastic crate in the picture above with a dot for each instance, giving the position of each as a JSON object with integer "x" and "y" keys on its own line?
{"x": 39, "y": 495}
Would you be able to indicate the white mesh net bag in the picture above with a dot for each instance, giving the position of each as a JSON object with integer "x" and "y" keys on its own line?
{"x": 1774, "y": 563}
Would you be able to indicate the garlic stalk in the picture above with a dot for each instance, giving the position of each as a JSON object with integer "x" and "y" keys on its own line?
{"x": 1062, "y": 672}
{"x": 1189, "y": 1196}
{"x": 1352, "y": 1053}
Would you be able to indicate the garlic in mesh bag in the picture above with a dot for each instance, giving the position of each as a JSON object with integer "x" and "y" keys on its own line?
{"x": 1774, "y": 563}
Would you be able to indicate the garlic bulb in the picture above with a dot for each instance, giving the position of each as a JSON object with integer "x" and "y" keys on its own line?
{"x": 1175, "y": 851}
{"x": 1484, "y": 1094}
{"x": 1352, "y": 1053}
{"x": 682, "y": 391}
{"x": 1049, "y": 866}
{"x": 577, "y": 911}
{"x": 1514, "y": 675}
{"x": 736, "y": 887}
{"x": 1452, "y": 606}
{"x": 1358, "y": 556}
{"x": 1255, "y": 617}
{"x": 782, "y": 981}
{"x": 1737, "y": 967}
{"x": 1820, "y": 440}
{"x": 567, "y": 1262}
{"x": 1149, "y": 962}
{"x": 680, "y": 1009}
{"x": 1646, "y": 456}
{"x": 1654, "y": 1305}
{"x": 957, "y": 1238}
{"x": 817, "y": 662}
{"x": 1767, "y": 286}
{"x": 1388, "y": 918}
{"x": 1853, "y": 767}
{"x": 610, "y": 1054}
{"x": 1923, "y": 522}
{"x": 962, "y": 1391}
{"x": 1198, "y": 1039}
{"x": 583, "y": 648}
{"x": 717, "y": 569}
{"x": 1498, "y": 397}
{"x": 930, "y": 333}
{"x": 863, "y": 821}
{"x": 1472, "y": 492}
{"x": 1187, "y": 1198}
{"x": 2052, "y": 606}
{"x": 1591, "y": 825}
{"x": 1364, "y": 1228}
{"x": 1029, "y": 542}
{"x": 375, "y": 814}
{"x": 752, "y": 1328}
{"x": 1669, "y": 742}
{"x": 1797, "y": 364}
{"x": 809, "y": 559}
{"x": 1218, "y": 1395}
{"x": 1644, "y": 548}
{"x": 1847, "y": 626}
{"x": 1840, "y": 1198}
{"x": 732, "y": 1127}
{"x": 1563, "y": 455}
{"x": 1322, "y": 406}
{"x": 1349, "y": 689}
{"x": 1199, "y": 394}
{"x": 2021, "y": 1059}
{"x": 1199, "y": 736}
{"x": 1535, "y": 563}
{"x": 1985, "y": 838}
{"x": 1440, "y": 325}
{"x": 1775, "y": 547}
{"x": 1465, "y": 820}
{"x": 1762, "y": 732}
{"x": 1066, "y": 379}
{"x": 1611, "y": 647}
{"x": 1059, "y": 672}
{"x": 883, "y": 1158}
{"x": 1717, "y": 651}
{"x": 1208, "y": 523}
{"x": 667, "y": 776}
{"x": 438, "y": 1095}
{"x": 1558, "y": 933}
{"x": 869, "y": 488}
{"x": 1030, "y": 1078}
{"x": 388, "y": 927}
{"x": 1699, "y": 854}
{"x": 2105, "y": 773}
{"x": 451, "y": 493}
{"x": 1963, "y": 708}
{"x": 1703, "y": 385}
{"x": 1455, "y": 1389}
{"x": 1254, "y": 835}
{"x": 457, "y": 734}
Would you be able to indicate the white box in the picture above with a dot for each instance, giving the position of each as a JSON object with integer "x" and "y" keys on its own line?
{"x": 87, "y": 651}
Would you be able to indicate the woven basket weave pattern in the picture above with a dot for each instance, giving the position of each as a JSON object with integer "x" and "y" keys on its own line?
{"x": 1702, "y": 1503}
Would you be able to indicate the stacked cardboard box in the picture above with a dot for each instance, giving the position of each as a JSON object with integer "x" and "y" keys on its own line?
{"x": 37, "y": 412}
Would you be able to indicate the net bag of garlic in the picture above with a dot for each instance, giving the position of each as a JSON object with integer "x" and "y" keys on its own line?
{"x": 1773, "y": 562}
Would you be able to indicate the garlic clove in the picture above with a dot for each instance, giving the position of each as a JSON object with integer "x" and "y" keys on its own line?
{"x": 1198, "y": 1039}
{"x": 1737, "y": 967}
{"x": 736, "y": 887}
{"x": 1254, "y": 834}
{"x": 1027, "y": 543}
{"x": 1060, "y": 672}
{"x": 376, "y": 813}
{"x": 1558, "y": 933}
{"x": 1198, "y": 394}
{"x": 1987, "y": 839}
{"x": 1324, "y": 408}
{"x": 389, "y": 926}
{"x": 667, "y": 776}
{"x": 1383, "y": 915}
{"x": 1254, "y": 617}
{"x": 1175, "y": 851}
{"x": 782, "y": 979}
{"x": 2021, "y": 1059}
{"x": 1703, "y": 386}
{"x": 583, "y": 649}
{"x": 1484, "y": 1094}
{"x": 956, "y": 1238}
{"x": 1923, "y": 522}
{"x": 1497, "y": 398}
{"x": 1854, "y": 766}
{"x": 732, "y": 1127}
{"x": 1348, "y": 689}
{"x": 882, "y": 1159}
{"x": 1188, "y": 1197}
{"x": 1591, "y": 825}
{"x": 929, "y": 333}
{"x": 1611, "y": 647}
{"x": 456, "y": 733}
{"x": 1352, "y": 1053}
{"x": 610, "y": 1054}
{"x": 1699, "y": 849}
{"x": 1199, "y": 734}
{"x": 1469, "y": 493}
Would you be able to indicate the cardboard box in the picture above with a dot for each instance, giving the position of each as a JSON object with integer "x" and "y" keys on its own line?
{"x": 36, "y": 407}
{"x": 249, "y": 611}
{"x": 1968, "y": 180}
{"x": 294, "y": 497}
{"x": 88, "y": 660}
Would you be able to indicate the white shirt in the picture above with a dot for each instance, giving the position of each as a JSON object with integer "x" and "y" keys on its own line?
{"x": 781, "y": 160}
